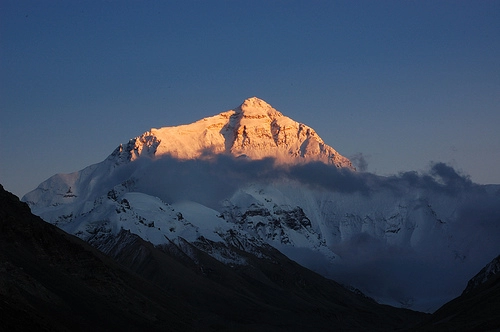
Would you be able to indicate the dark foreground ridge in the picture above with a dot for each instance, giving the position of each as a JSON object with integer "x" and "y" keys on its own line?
{"x": 53, "y": 281}
{"x": 477, "y": 309}
{"x": 50, "y": 280}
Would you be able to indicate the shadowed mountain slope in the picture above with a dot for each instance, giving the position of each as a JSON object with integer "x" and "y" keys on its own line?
{"x": 50, "y": 280}
{"x": 477, "y": 309}
{"x": 251, "y": 177}
{"x": 54, "y": 281}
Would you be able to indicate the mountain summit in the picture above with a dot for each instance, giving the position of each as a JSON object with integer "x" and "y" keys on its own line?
{"x": 254, "y": 130}
{"x": 411, "y": 240}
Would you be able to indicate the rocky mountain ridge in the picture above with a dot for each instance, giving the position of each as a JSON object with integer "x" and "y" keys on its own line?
{"x": 411, "y": 240}
{"x": 165, "y": 289}
{"x": 53, "y": 281}
{"x": 254, "y": 130}
{"x": 490, "y": 271}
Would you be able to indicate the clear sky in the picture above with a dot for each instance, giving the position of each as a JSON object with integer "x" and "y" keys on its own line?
{"x": 399, "y": 83}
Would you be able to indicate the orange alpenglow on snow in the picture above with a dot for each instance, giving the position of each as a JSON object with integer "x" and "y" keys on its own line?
{"x": 254, "y": 130}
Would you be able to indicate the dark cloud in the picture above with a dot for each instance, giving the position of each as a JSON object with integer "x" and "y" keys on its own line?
{"x": 210, "y": 180}
{"x": 359, "y": 161}
{"x": 436, "y": 267}
{"x": 448, "y": 176}
{"x": 440, "y": 178}
{"x": 328, "y": 177}
{"x": 215, "y": 177}
{"x": 207, "y": 181}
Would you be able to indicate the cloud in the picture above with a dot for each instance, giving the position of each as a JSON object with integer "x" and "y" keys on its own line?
{"x": 434, "y": 264}
{"x": 328, "y": 177}
{"x": 440, "y": 178}
{"x": 359, "y": 161}
{"x": 215, "y": 177}
{"x": 211, "y": 180}
{"x": 207, "y": 181}
{"x": 448, "y": 176}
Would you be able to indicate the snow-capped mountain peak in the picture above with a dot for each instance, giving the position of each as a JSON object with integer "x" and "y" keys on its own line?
{"x": 387, "y": 236}
{"x": 256, "y": 107}
{"x": 254, "y": 130}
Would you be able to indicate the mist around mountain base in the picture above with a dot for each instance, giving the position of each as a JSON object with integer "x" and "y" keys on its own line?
{"x": 420, "y": 270}
{"x": 410, "y": 240}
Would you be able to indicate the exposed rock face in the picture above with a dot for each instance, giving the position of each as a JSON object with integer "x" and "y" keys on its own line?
{"x": 487, "y": 273}
{"x": 212, "y": 184}
{"x": 254, "y": 129}
{"x": 52, "y": 281}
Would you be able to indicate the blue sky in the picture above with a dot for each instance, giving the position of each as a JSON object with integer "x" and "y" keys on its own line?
{"x": 401, "y": 83}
